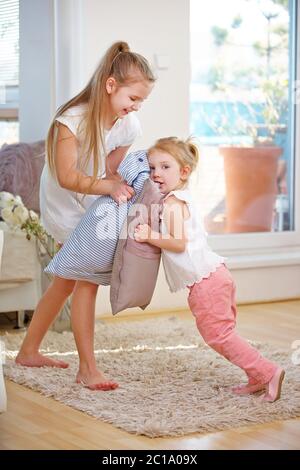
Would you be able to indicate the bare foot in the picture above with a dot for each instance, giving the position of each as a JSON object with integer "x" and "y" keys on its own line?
{"x": 38, "y": 360}
{"x": 96, "y": 381}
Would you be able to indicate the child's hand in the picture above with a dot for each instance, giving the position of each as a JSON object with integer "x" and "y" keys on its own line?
{"x": 142, "y": 233}
{"x": 120, "y": 191}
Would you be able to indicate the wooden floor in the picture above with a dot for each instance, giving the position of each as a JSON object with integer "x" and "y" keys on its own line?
{"x": 35, "y": 422}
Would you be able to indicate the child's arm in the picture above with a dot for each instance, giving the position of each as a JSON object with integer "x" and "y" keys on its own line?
{"x": 175, "y": 213}
{"x": 69, "y": 177}
{"x": 113, "y": 161}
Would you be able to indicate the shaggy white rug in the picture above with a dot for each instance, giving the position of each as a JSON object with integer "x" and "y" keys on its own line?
{"x": 171, "y": 384}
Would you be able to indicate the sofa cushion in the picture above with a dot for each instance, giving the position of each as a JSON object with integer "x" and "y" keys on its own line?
{"x": 21, "y": 166}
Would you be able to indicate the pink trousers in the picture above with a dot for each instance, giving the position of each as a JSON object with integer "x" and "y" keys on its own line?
{"x": 212, "y": 302}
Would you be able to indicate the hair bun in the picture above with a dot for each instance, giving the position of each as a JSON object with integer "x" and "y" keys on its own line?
{"x": 193, "y": 148}
{"x": 123, "y": 47}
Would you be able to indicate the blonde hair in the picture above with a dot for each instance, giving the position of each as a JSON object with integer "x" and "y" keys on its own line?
{"x": 185, "y": 152}
{"x": 126, "y": 67}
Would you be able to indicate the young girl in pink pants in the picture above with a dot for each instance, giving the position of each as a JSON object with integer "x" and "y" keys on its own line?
{"x": 189, "y": 262}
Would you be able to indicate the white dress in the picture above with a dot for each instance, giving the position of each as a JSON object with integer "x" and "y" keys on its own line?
{"x": 198, "y": 261}
{"x": 61, "y": 209}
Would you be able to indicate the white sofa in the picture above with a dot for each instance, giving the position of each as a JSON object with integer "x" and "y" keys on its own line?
{"x": 20, "y": 274}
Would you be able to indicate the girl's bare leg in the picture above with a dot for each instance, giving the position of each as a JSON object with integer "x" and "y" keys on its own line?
{"x": 83, "y": 326}
{"x": 45, "y": 313}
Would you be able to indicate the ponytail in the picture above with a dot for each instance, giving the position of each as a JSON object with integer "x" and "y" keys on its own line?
{"x": 193, "y": 149}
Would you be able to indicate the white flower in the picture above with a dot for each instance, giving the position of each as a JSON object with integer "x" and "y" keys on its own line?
{"x": 33, "y": 215}
{"x": 7, "y": 199}
{"x": 15, "y": 216}
{"x": 21, "y": 212}
{"x": 18, "y": 219}
{"x": 18, "y": 201}
{"x": 8, "y": 216}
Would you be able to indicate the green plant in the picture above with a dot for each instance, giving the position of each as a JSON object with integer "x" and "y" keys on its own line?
{"x": 17, "y": 217}
{"x": 254, "y": 98}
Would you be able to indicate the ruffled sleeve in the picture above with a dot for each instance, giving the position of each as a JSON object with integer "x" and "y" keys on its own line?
{"x": 72, "y": 118}
{"x": 130, "y": 130}
{"x": 181, "y": 194}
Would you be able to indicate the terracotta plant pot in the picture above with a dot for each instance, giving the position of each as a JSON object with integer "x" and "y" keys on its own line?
{"x": 251, "y": 189}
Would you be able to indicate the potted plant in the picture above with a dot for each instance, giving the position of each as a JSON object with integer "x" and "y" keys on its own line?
{"x": 254, "y": 123}
{"x": 251, "y": 168}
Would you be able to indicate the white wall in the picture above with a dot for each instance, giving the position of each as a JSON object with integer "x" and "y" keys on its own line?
{"x": 149, "y": 27}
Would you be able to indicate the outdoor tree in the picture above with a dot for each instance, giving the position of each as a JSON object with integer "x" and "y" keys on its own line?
{"x": 257, "y": 93}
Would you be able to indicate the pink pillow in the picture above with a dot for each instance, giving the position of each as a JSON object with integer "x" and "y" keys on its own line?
{"x": 136, "y": 265}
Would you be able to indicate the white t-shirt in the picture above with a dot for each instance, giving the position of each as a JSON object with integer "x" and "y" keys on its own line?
{"x": 62, "y": 209}
{"x": 198, "y": 261}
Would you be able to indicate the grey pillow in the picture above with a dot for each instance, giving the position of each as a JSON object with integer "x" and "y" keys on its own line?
{"x": 136, "y": 265}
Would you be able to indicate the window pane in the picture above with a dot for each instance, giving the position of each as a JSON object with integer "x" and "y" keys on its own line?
{"x": 9, "y": 71}
{"x": 9, "y": 132}
{"x": 240, "y": 111}
{"x": 9, "y": 42}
